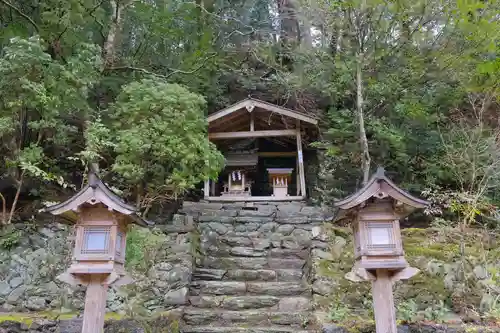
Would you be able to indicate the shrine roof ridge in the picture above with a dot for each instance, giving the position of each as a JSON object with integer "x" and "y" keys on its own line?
{"x": 252, "y": 102}
{"x": 95, "y": 191}
{"x": 374, "y": 187}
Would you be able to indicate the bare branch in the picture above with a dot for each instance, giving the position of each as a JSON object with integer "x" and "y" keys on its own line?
{"x": 26, "y": 17}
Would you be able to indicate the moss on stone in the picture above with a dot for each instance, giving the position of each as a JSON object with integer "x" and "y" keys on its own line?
{"x": 23, "y": 318}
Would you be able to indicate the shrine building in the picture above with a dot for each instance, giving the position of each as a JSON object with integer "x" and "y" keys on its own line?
{"x": 263, "y": 146}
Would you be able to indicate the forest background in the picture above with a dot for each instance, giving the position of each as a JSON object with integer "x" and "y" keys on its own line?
{"x": 410, "y": 85}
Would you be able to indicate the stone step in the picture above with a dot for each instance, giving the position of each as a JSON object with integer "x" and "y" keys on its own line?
{"x": 194, "y": 316}
{"x": 248, "y": 288}
{"x": 242, "y": 329}
{"x": 251, "y": 263}
{"x": 272, "y": 303}
{"x": 222, "y": 250}
{"x": 285, "y": 275}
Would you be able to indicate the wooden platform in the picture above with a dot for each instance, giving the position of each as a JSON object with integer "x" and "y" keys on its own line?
{"x": 249, "y": 199}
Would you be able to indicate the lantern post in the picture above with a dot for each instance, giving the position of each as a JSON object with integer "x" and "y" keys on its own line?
{"x": 101, "y": 219}
{"x": 375, "y": 211}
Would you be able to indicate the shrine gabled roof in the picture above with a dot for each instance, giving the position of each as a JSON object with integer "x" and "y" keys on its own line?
{"x": 251, "y": 103}
{"x": 93, "y": 193}
{"x": 380, "y": 186}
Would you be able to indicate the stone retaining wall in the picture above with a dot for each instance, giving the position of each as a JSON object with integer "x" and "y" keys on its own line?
{"x": 28, "y": 271}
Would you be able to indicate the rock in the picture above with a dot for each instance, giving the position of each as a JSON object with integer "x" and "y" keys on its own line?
{"x": 247, "y": 252}
{"x": 219, "y": 228}
{"x": 322, "y": 287}
{"x": 16, "y": 294}
{"x": 16, "y": 282}
{"x": 248, "y": 302}
{"x": 36, "y": 303}
{"x": 237, "y": 241}
{"x": 279, "y": 263}
{"x": 480, "y": 272}
{"x": 259, "y": 220}
{"x": 246, "y": 227}
{"x": 285, "y": 229}
{"x": 317, "y": 253}
{"x": 268, "y": 227}
{"x": 276, "y": 288}
{"x": 332, "y": 328}
{"x": 220, "y": 287}
{"x": 289, "y": 209}
{"x": 316, "y": 231}
{"x": 289, "y": 274}
{"x": 251, "y": 275}
{"x": 176, "y": 297}
{"x": 208, "y": 274}
{"x": 261, "y": 243}
{"x": 294, "y": 304}
{"x": 4, "y": 288}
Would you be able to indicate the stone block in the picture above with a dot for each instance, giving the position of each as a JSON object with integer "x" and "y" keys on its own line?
{"x": 176, "y": 297}
{"x": 241, "y": 251}
{"x": 208, "y": 274}
{"x": 277, "y": 288}
{"x": 289, "y": 274}
{"x": 279, "y": 263}
{"x": 249, "y": 302}
{"x": 289, "y": 253}
{"x": 219, "y": 287}
{"x": 285, "y": 229}
{"x": 294, "y": 304}
{"x": 251, "y": 275}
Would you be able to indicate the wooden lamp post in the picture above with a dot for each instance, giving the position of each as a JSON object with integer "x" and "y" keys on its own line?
{"x": 375, "y": 211}
{"x": 101, "y": 220}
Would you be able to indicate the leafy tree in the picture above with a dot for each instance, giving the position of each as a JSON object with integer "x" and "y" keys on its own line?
{"x": 160, "y": 140}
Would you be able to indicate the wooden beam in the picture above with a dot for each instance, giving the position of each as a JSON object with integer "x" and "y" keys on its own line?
{"x": 300, "y": 158}
{"x": 252, "y": 122}
{"x": 250, "y": 199}
{"x": 277, "y": 154}
{"x": 249, "y": 134}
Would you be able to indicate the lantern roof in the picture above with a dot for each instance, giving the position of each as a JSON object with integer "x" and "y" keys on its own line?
{"x": 93, "y": 193}
{"x": 379, "y": 186}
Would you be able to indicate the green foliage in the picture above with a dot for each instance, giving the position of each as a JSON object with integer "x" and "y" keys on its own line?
{"x": 338, "y": 313}
{"x": 9, "y": 238}
{"x": 142, "y": 247}
{"x": 159, "y": 130}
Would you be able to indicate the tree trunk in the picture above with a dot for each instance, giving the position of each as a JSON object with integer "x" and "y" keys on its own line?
{"x": 114, "y": 28}
{"x": 16, "y": 197}
{"x": 365, "y": 152}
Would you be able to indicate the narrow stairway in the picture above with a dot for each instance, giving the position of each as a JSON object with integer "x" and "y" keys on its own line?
{"x": 242, "y": 283}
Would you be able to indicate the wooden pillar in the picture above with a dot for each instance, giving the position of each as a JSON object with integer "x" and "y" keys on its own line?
{"x": 206, "y": 189}
{"x": 300, "y": 158}
{"x": 383, "y": 303}
{"x": 297, "y": 173}
{"x": 95, "y": 305}
{"x": 212, "y": 188}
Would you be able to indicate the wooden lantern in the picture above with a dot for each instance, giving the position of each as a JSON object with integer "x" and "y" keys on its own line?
{"x": 375, "y": 211}
{"x": 101, "y": 219}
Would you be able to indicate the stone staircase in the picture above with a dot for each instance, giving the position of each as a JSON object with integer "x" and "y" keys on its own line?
{"x": 251, "y": 274}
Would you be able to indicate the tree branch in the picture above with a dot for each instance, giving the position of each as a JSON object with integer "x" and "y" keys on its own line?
{"x": 173, "y": 71}
{"x": 26, "y": 17}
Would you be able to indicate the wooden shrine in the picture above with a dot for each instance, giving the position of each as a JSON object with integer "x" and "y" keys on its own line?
{"x": 251, "y": 121}
{"x": 375, "y": 211}
{"x": 280, "y": 178}
{"x": 101, "y": 219}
